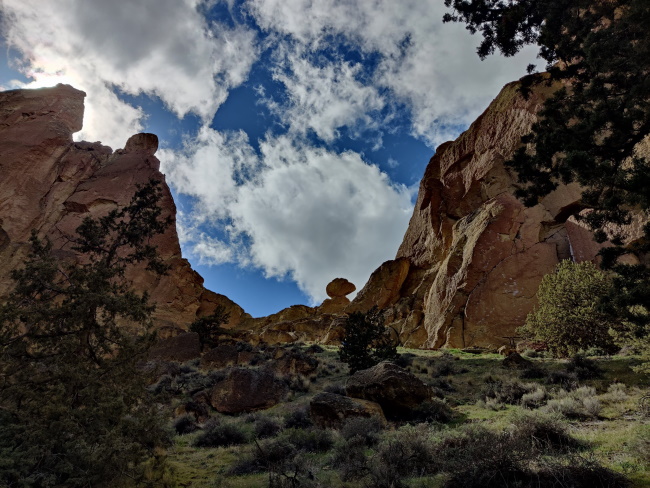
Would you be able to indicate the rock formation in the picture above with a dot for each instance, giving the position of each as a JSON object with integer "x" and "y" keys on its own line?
{"x": 50, "y": 183}
{"x": 473, "y": 256}
{"x": 466, "y": 274}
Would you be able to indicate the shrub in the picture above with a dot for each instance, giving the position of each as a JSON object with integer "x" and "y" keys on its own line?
{"x": 577, "y": 472}
{"x": 311, "y": 440}
{"x": 221, "y": 436}
{"x": 185, "y": 425}
{"x": 568, "y": 407}
{"x": 365, "y": 428}
{"x": 405, "y": 453}
{"x": 544, "y": 432}
{"x": 509, "y": 392}
{"x": 366, "y": 341}
{"x": 349, "y": 457}
{"x": 534, "y": 399}
{"x": 474, "y": 456}
{"x": 583, "y": 368}
{"x": 430, "y": 411}
{"x": 568, "y": 317}
{"x": 265, "y": 427}
{"x": 264, "y": 457}
{"x": 298, "y": 419}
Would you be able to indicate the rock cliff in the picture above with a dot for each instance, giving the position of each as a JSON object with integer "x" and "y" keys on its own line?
{"x": 465, "y": 275}
{"x": 472, "y": 258}
{"x": 50, "y": 183}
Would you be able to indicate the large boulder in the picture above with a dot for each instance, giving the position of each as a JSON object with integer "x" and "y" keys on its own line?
{"x": 291, "y": 363}
{"x": 247, "y": 390}
{"x": 395, "y": 389}
{"x": 329, "y": 410}
{"x": 339, "y": 287}
{"x": 182, "y": 347}
{"x": 221, "y": 356}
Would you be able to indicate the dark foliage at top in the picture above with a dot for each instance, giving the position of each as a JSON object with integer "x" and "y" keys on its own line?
{"x": 74, "y": 411}
{"x": 366, "y": 341}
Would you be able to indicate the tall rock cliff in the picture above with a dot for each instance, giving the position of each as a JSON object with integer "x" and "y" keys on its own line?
{"x": 50, "y": 183}
{"x": 473, "y": 256}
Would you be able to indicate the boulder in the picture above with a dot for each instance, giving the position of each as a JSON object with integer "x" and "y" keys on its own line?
{"x": 221, "y": 356}
{"x": 329, "y": 410}
{"x": 295, "y": 363}
{"x": 182, "y": 347}
{"x": 247, "y": 390}
{"x": 392, "y": 387}
{"x": 514, "y": 360}
{"x": 339, "y": 287}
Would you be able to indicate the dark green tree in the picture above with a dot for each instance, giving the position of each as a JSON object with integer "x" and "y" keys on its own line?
{"x": 73, "y": 410}
{"x": 366, "y": 341}
{"x": 589, "y": 130}
{"x": 209, "y": 327}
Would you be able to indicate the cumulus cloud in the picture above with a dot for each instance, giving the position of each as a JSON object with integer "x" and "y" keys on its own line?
{"x": 163, "y": 48}
{"x": 431, "y": 67}
{"x": 306, "y": 213}
{"x": 323, "y": 98}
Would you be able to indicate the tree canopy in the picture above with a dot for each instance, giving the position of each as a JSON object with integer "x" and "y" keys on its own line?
{"x": 73, "y": 410}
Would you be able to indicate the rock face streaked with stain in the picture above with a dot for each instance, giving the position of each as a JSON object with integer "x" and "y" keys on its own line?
{"x": 474, "y": 254}
{"x": 51, "y": 183}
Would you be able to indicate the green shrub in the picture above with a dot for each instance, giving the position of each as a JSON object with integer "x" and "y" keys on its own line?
{"x": 366, "y": 341}
{"x": 365, "y": 428}
{"x": 185, "y": 425}
{"x": 569, "y": 317}
{"x": 221, "y": 436}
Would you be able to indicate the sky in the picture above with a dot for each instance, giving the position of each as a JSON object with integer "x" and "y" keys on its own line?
{"x": 293, "y": 133}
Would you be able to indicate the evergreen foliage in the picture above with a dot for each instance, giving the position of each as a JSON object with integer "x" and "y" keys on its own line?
{"x": 598, "y": 53}
{"x": 74, "y": 412}
{"x": 569, "y": 317}
{"x": 209, "y": 327}
{"x": 366, "y": 341}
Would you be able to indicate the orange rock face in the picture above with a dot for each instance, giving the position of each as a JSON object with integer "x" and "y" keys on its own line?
{"x": 474, "y": 254}
{"x": 50, "y": 183}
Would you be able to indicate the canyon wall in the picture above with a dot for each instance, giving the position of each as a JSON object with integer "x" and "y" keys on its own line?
{"x": 50, "y": 183}
{"x": 466, "y": 273}
{"x": 468, "y": 269}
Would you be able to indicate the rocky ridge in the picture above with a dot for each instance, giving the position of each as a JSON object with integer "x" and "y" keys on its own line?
{"x": 50, "y": 183}
{"x": 465, "y": 275}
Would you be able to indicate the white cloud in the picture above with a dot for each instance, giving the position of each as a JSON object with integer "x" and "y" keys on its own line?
{"x": 307, "y": 213}
{"x": 431, "y": 67}
{"x": 163, "y": 48}
{"x": 323, "y": 98}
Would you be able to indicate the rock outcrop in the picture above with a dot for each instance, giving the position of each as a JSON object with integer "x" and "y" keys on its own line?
{"x": 472, "y": 258}
{"x": 396, "y": 390}
{"x": 50, "y": 183}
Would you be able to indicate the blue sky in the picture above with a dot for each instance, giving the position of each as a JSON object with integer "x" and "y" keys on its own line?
{"x": 293, "y": 133}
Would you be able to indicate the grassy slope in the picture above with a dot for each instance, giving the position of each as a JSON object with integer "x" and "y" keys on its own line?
{"x": 614, "y": 435}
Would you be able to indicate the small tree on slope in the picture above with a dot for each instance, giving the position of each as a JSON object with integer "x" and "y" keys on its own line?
{"x": 569, "y": 317}
{"x": 366, "y": 341}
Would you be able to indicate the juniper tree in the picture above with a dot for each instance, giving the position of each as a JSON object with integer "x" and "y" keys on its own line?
{"x": 74, "y": 411}
{"x": 590, "y": 128}
{"x": 366, "y": 341}
{"x": 209, "y": 327}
